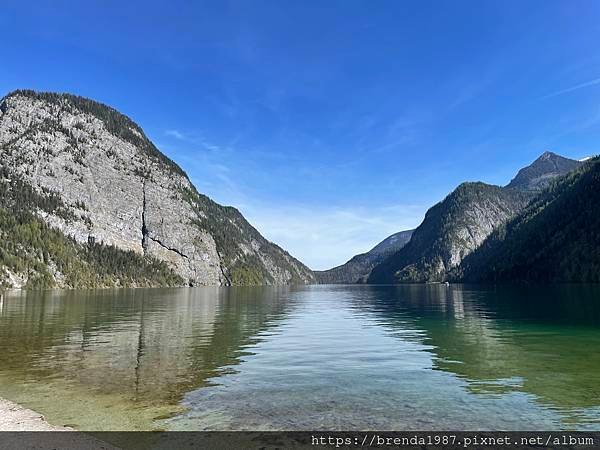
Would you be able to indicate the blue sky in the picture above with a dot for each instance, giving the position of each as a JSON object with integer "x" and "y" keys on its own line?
{"x": 329, "y": 124}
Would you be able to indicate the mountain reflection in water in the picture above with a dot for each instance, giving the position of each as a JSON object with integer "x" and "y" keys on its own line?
{"x": 306, "y": 357}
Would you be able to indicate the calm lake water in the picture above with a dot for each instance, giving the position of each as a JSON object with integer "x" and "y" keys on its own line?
{"x": 317, "y": 357}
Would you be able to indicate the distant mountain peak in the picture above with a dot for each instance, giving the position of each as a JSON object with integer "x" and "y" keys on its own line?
{"x": 540, "y": 172}
{"x": 457, "y": 225}
{"x": 392, "y": 243}
{"x": 357, "y": 269}
{"x": 552, "y": 240}
{"x": 548, "y": 155}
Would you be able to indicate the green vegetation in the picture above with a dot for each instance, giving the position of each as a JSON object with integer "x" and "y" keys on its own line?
{"x": 245, "y": 256}
{"x": 249, "y": 271}
{"x": 116, "y": 123}
{"x": 535, "y": 176}
{"x": 427, "y": 255}
{"x": 230, "y": 229}
{"x": 45, "y": 257}
{"x": 358, "y": 268}
{"x": 555, "y": 239}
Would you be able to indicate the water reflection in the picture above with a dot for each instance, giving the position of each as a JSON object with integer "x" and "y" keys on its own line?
{"x": 312, "y": 357}
{"x": 126, "y": 350}
{"x": 543, "y": 341}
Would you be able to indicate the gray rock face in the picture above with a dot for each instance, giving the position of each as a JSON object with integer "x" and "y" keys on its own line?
{"x": 357, "y": 269}
{"x": 542, "y": 171}
{"x": 392, "y": 244}
{"x": 460, "y": 223}
{"x": 555, "y": 239}
{"x": 451, "y": 229}
{"x": 122, "y": 191}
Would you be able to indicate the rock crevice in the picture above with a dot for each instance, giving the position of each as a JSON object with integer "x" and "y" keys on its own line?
{"x": 146, "y": 232}
{"x": 144, "y": 227}
{"x": 223, "y": 270}
{"x": 90, "y": 154}
{"x": 166, "y": 247}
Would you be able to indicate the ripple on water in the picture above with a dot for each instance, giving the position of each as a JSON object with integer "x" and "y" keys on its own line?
{"x": 317, "y": 357}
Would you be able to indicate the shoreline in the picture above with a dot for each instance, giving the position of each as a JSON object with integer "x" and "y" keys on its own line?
{"x": 25, "y": 428}
{"x": 14, "y": 417}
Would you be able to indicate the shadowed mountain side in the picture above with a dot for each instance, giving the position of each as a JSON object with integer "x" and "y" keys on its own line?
{"x": 555, "y": 239}
{"x": 358, "y": 268}
{"x": 542, "y": 171}
{"x": 456, "y": 226}
{"x": 451, "y": 229}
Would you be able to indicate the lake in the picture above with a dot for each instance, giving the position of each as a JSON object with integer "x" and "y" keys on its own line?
{"x": 411, "y": 357}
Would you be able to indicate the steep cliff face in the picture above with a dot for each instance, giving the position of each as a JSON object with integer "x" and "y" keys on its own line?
{"x": 34, "y": 255}
{"x": 121, "y": 191}
{"x": 357, "y": 269}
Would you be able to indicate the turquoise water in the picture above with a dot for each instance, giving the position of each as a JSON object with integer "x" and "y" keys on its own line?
{"x": 420, "y": 357}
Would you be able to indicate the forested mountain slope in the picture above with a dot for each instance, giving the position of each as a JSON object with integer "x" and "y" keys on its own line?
{"x": 542, "y": 171}
{"x": 451, "y": 229}
{"x": 457, "y": 225}
{"x": 555, "y": 239}
{"x": 358, "y": 268}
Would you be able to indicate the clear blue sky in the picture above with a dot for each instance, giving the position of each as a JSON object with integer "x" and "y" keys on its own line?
{"x": 329, "y": 124}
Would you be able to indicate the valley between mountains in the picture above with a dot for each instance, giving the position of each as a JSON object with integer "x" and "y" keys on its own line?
{"x": 87, "y": 200}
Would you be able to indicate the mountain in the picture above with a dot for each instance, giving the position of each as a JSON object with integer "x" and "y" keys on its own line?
{"x": 542, "y": 171}
{"x": 556, "y": 238}
{"x": 457, "y": 225}
{"x": 358, "y": 268}
{"x": 450, "y": 230}
{"x": 391, "y": 243}
{"x": 90, "y": 175}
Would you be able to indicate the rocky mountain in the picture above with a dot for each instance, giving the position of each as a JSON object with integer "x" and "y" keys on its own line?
{"x": 109, "y": 186}
{"x": 556, "y": 238}
{"x": 358, "y": 268}
{"x": 450, "y": 230}
{"x": 542, "y": 171}
{"x": 34, "y": 255}
{"x": 457, "y": 225}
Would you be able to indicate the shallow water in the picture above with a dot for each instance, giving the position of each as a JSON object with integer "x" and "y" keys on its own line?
{"x": 420, "y": 357}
